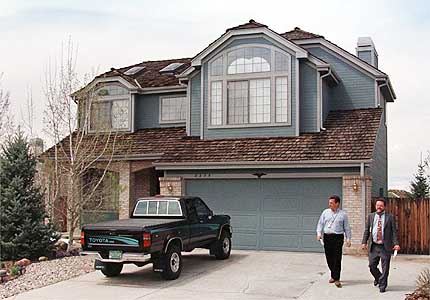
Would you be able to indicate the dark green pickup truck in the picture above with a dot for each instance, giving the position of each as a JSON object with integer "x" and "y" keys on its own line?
{"x": 159, "y": 229}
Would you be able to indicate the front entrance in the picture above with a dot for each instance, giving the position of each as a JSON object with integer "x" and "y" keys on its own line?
{"x": 269, "y": 214}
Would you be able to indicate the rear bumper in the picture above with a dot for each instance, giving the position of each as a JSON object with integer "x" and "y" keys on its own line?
{"x": 127, "y": 257}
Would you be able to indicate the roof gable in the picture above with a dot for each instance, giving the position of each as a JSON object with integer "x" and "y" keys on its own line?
{"x": 252, "y": 27}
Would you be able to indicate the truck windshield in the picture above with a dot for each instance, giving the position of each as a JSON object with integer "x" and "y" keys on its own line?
{"x": 158, "y": 208}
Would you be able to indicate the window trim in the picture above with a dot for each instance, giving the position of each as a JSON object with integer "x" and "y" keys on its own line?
{"x": 272, "y": 75}
{"x": 160, "y": 108}
{"x": 158, "y": 203}
{"x": 100, "y": 99}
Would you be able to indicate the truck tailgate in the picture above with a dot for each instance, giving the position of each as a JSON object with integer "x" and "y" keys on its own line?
{"x": 125, "y": 235}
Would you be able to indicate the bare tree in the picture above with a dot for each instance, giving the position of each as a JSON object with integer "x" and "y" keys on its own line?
{"x": 6, "y": 120}
{"x": 76, "y": 152}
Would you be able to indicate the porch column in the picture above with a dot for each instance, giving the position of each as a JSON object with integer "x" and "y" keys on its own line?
{"x": 126, "y": 183}
{"x": 352, "y": 187}
{"x": 171, "y": 186}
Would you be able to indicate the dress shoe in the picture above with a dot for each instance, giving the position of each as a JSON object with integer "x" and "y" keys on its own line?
{"x": 382, "y": 290}
{"x": 331, "y": 280}
{"x": 375, "y": 282}
{"x": 338, "y": 284}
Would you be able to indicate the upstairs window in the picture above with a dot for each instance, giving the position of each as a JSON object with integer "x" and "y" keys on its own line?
{"x": 250, "y": 85}
{"x": 248, "y": 60}
{"x": 110, "y": 109}
{"x": 173, "y": 109}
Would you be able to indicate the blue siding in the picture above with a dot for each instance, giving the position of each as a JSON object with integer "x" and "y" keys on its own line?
{"x": 147, "y": 111}
{"x": 378, "y": 168}
{"x": 355, "y": 89}
{"x": 325, "y": 99}
{"x": 195, "y": 105}
{"x": 258, "y": 40}
{"x": 308, "y": 98}
{"x": 365, "y": 56}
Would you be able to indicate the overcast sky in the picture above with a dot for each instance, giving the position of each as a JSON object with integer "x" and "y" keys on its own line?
{"x": 120, "y": 33}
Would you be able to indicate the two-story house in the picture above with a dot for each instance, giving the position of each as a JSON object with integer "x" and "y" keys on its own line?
{"x": 264, "y": 126}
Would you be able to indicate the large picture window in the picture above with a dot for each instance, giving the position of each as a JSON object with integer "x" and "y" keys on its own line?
{"x": 249, "y": 85}
{"x": 173, "y": 109}
{"x": 109, "y": 110}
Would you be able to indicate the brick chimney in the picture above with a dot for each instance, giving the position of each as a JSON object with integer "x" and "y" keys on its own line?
{"x": 36, "y": 146}
{"x": 366, "y": 51}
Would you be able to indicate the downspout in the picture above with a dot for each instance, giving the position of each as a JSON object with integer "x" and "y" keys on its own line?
{"x": 363, "y": 194}
{"x": 321, "y": 93}
{"x": 379, "y": 88}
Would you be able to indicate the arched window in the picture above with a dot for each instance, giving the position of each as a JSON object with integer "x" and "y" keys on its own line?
{"x": 250, "y": 85}
{"x": 110, "y": 108}
{"x": 248, "y": 60}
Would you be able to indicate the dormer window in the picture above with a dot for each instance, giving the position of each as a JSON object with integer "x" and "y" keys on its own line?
{"x": 110, "y": 108}
{"x": 250, "y": 86}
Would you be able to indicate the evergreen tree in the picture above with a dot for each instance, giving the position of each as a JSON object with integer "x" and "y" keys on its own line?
{"x": 23, "y": 232}
{"x": 420, "y": 186}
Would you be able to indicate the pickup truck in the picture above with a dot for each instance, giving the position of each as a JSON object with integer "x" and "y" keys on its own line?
{"x": 158, "y": 231}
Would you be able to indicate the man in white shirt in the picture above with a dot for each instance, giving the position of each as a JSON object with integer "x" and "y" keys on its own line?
{"x": 332, "y": 226}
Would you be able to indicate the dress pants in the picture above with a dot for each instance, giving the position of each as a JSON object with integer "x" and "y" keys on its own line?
{"x": 333, "y": 253}
{"x": 377, "y": 252}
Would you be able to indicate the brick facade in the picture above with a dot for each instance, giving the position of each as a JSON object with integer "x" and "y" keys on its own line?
{"x": 352, "y": 204}
{"x": 171, "y": 186}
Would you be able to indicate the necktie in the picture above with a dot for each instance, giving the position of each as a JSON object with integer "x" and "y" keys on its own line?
{"x": 379, "y": 231}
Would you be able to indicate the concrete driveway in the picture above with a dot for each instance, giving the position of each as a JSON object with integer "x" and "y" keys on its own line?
{"x": 246, "y": 275}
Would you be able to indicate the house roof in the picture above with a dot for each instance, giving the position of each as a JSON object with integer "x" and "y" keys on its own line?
{"x": 298, "y": 34}
{"x": 349, "y": 135}
{"x": 143, "y": 142}
{"x": 150, "y": 76}
{"x": 250, "y": 24}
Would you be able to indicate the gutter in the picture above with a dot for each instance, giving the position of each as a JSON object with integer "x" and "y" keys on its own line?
{"x": 260, "y": 164}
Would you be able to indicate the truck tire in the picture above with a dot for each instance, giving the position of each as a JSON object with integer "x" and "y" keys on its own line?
{"x": 112, "y": 269}
{"x": 223, "y": 246}
{"x": 172, "y": 263}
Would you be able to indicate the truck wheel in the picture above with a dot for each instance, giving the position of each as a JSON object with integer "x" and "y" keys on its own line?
{"x": 112, "y": 269}
{"x": 223, "y": 246}
{"x": 172, "y": 263}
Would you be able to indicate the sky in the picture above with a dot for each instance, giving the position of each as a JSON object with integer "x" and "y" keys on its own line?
{"x": 119, "y": 33}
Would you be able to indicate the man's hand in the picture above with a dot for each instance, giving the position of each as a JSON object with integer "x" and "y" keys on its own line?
{"x": 364, "y": 246}
{"x": 348, "y": 243}
{"x": 318, "y": 237}
{"x": 396, "y": 247}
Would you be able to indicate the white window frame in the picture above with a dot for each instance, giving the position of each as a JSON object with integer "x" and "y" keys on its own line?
{"x": 158, "y": 204}
{"x": 100, "y": 99}
{"x": 272, "y": 75}
{"x": 160, "y": 109}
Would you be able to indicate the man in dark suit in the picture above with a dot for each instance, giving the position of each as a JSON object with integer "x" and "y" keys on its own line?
{"x": 380, "y": 238}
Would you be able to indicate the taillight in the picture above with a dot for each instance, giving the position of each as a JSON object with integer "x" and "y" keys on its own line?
{"x": 82, "y": 238}
{"x": 146, "y": 240}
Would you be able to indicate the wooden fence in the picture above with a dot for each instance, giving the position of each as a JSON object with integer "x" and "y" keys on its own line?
{"x": 413, "y": 223}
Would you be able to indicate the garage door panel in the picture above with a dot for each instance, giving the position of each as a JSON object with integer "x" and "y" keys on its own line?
{"x": 281, "y": 222}
{"x": 281, "y": 202}
{"x": 309, "y": 242}
{"x": 276, "y": 241}
{"x": 244, "y": 240}
{"x": 241, "y": 221}
{"x": 310, "y": 222}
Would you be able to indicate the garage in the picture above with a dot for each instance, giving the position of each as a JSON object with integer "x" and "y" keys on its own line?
{"x": 269, "y": 214}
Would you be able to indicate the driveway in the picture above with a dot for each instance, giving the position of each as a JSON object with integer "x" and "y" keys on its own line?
{"x": 246, "y": 275}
